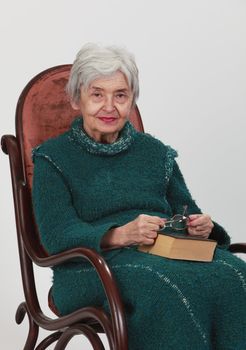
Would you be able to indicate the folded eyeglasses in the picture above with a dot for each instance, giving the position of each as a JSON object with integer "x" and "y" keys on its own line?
{"x": 177, "y": 222}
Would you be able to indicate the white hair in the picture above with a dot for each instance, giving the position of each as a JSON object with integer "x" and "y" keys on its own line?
{"x": 94, "y": 61}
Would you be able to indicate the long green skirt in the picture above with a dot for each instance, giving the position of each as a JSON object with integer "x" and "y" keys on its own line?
{"x": 169, "y": 304}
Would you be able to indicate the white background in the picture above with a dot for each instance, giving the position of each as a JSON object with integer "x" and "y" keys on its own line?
{"x": 191, "y": 56}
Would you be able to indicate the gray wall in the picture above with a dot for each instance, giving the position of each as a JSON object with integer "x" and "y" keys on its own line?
{"x": 191, "y": 56}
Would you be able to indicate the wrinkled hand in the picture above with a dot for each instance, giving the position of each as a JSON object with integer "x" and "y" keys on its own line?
{"x": 142, "y": 230}
{"x": 200, "y": 225}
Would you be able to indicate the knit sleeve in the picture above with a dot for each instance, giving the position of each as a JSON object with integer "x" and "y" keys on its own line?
{"x": 59, "y": 225}
{"x": 179, "y": 195}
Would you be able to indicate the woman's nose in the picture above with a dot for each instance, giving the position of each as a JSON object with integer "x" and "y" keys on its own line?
{"x": 109, "y": 104}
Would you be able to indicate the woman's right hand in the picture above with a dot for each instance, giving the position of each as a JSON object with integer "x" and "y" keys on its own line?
{"x": 142, "y": 230}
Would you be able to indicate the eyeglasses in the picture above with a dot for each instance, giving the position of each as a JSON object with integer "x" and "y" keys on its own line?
{"x": 178, "y": 222}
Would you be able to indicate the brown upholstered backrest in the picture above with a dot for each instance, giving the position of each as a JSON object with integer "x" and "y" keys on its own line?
{"x": 44, "y": 111}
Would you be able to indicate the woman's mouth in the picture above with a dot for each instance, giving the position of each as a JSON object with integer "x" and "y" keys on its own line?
{"x": 107, "y": 119}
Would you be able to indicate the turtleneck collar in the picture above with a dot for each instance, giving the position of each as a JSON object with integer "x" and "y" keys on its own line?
{"x": 125, "y": 139}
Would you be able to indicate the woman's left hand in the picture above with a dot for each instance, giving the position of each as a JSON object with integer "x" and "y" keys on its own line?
{"x": 200, "y": 225}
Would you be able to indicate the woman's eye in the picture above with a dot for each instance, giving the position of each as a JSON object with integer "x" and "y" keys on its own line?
{"x": 97, "y": 96}
{"x": 121, "y": 97}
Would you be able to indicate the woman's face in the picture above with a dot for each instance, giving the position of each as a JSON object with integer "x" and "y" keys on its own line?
{"x": 105, "y": 106}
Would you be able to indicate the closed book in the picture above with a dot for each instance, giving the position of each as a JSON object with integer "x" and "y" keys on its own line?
{"x": 182, "y": 247}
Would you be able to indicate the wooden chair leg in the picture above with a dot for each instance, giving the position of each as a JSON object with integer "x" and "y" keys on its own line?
{"x": 78, "y": 329}
{"x": 49, "y": 340}
{"x": 33, "y": 327}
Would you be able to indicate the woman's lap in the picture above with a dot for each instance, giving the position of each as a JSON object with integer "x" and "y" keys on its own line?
{"x": 173, "y": 299}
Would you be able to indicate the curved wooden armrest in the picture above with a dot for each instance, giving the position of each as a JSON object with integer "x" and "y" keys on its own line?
{"x": 102, "y": 269}
{"x": 110, "y": 288}
{"x": 237, "y": 248}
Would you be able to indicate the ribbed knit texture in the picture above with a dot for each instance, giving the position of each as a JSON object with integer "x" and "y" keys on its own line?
{"x": 82, "y": 188}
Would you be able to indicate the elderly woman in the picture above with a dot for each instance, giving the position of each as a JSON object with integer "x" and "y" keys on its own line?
{"x": 106, "y": 186}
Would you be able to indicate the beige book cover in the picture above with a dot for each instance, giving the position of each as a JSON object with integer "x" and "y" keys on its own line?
{"x": 181, "y": 247}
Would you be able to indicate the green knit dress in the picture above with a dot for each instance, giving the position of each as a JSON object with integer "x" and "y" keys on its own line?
{"x": 82, "y": 188}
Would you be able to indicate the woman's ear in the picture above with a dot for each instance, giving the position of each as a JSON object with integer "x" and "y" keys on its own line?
{"x": 75, "y": 105}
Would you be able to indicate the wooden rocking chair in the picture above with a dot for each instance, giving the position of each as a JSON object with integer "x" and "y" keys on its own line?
{"x": 43, "y": 111}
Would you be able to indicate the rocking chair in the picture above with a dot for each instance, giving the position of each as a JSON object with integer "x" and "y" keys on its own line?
{"x": 43, "y": 111}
